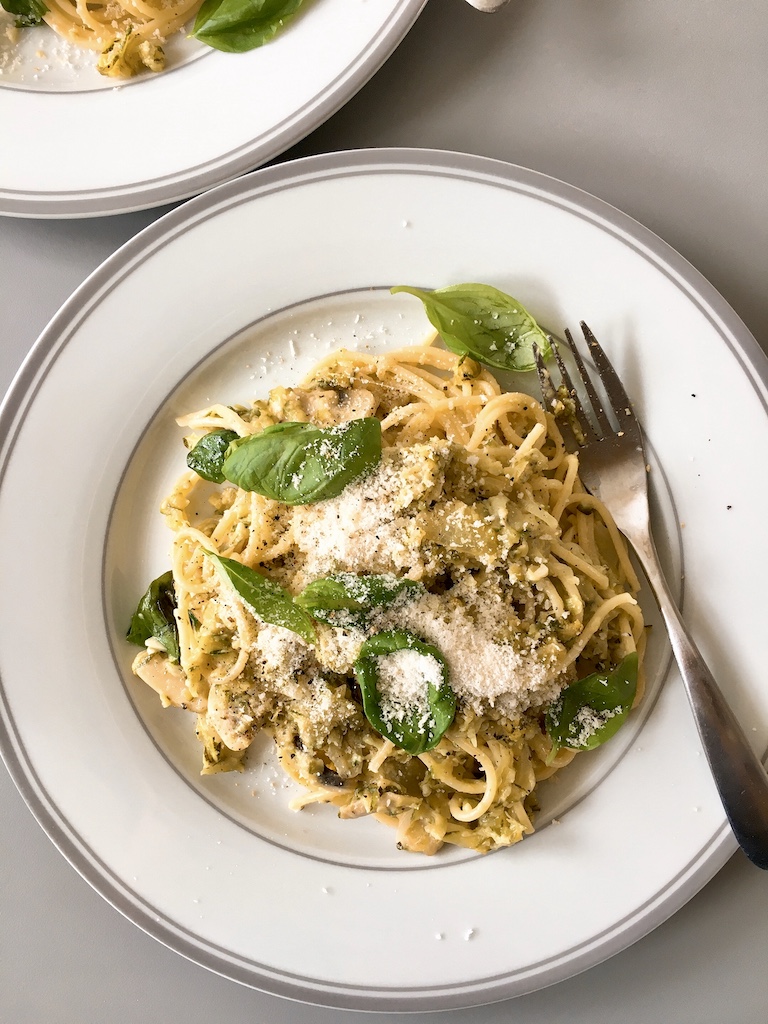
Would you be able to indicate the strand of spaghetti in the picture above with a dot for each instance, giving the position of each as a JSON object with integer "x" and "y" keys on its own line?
{"x": 466, "y": 812}
{"x": 523, "y": 769}
{"x": 297, "y": 803}
{"x": 158, "y": 19}
{"x": 606, "y": 608}
{"x": 487, "y": 420}
{"x": 589, "y": 501}
{"x": 422, "y": 355}
{"x": 246, "y": 637}
{"x": 87, "y": 18}
{"x": 140, "y": 10}
{"x": 574, "y": 602}
{"x": 585, "y": 533}
{"x": 403, "y": 412}
{"x": 440, "y": 384}
{"x": 62, "y": 18}
{"x": 403, "y": 824}
{"x": 416, "y": 385}
{"x": 187, "y": 546}
{"x": 522, "y": 816}
{"x": 548, "y": 588}
{"x": 216, "y": 416}
{"x": 556, "y": 438}
{"x": 464, "y": 403}
{"x": 453, "y": 428}
{"x": 437, "y": 825}
{"x": 534, "y": 511}
{"x": 502, "y": 760}
{"x": 381, "y": 755}
{"x": 260, "y": 546}
{"x": 222, "y": 534}
{"x": 523, "y": 454}
{"x": 445, "y": 775}
{"x": 175, "y": 505}
{"x": 580, "y": 562}
{"x": 571, "y": 463}
{"x": 443, "y": 411}
{"x": 417, "y": 428}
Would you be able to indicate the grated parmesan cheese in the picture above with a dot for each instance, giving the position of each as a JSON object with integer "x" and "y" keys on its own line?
{"x": 484, "y": 670}
{"x": 365, "y": 529}
{"x": 404, "y": 678}
{"x": 588, "y": 721}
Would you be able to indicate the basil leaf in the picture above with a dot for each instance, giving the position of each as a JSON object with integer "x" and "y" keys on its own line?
{"x": 416, "y": 730}
{"x": 298, "y": 463}
{"x": 354, "y": 596}
{"x": 268, "y": 599}
{"x": 240, "y": 25}
{"x": 591, "y": 710}
{"x": 480, "y": 321}
{"x": 207, "y": 457}
{"x": 155, "y": 617}
{"x": 28, "y": 12}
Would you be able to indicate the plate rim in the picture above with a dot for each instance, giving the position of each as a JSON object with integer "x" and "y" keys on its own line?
{"x": 182, "y": 184}
{"x": 42, "y": 356}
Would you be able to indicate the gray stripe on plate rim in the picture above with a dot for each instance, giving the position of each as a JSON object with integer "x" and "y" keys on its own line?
{"x": 267, "y": 146}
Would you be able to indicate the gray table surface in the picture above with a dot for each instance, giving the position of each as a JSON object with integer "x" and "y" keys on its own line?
{"x": 657, "y": 106}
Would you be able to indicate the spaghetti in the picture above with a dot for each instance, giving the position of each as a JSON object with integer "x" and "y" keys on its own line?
{"x": 128, "y": 35}
{"x": 524, "y": 586}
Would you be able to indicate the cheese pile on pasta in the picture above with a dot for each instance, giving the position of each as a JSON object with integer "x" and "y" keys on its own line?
{"x": 519, "y": 585}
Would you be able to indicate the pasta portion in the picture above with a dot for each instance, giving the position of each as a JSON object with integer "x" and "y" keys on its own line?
{"x": 128, "y": 35}
{"x": 427, "y": 616}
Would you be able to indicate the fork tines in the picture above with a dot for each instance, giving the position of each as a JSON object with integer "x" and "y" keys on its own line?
{"x": 588, "y": 407}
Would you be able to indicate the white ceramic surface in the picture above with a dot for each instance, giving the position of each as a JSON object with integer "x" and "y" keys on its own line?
{"x": 211, "y": 302}
{"x": 84, "y": 145}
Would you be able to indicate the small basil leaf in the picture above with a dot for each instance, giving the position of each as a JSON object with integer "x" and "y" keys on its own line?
{"x": 354, "y": 596}
{"x": 592, "y": 709}
{"x": 207, "y": 457}
{"x": 155, "y": 617}
{"x": 298, "y": 463}
{"x": 28, "y": 12}
{"x": 240, "y": 25}
{"x": 268, "y": 599}
{"x": 422, "y": 727}
{"x": 480, "y": 321}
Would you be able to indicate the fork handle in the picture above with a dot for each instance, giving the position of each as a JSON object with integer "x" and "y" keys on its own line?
{"x": 739, "y": 775}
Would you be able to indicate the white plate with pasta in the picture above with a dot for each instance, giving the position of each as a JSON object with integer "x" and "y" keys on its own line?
{"x": 190, "y": 115}
{"x": 261, "y": 889}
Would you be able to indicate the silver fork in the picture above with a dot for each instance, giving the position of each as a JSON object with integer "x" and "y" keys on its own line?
{"x": 613, "y": 467}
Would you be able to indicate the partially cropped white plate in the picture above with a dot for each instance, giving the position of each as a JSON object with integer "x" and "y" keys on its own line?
{"x": 230, "y": 294}
{"x": 76, "y": 144}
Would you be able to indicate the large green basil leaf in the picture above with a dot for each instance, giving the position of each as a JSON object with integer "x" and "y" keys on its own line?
{"x": 268, "y": 599}
{"x": 27, "y": 12}
{"x": 298, "y": 463}
{"x": 155, "y": 617}
{"x": 480, "y": 321}
{"x": 353, "y": 596}
{"x": 207, "y": 457}
{"x": 240, "y": 25}
{"x": 417, "y": 730}
{"x": 592, "y": 709}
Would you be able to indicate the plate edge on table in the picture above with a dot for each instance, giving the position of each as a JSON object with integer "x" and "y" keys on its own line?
{"x": 113, "y": 201}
